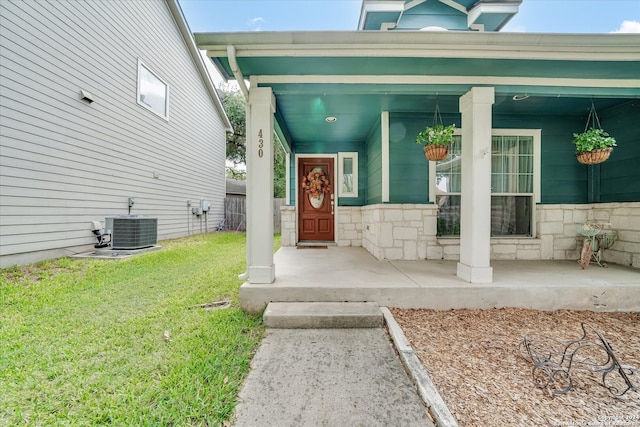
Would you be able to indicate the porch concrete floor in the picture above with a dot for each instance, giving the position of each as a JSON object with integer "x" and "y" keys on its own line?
{"x": 353, "y": 274}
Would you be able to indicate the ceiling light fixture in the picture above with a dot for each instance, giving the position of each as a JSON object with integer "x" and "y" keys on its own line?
{"x": 520, "y": 96}
{"x": 330, "y": 119}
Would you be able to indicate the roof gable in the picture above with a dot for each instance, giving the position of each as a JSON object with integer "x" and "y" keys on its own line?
{"x": 456, "y": 15}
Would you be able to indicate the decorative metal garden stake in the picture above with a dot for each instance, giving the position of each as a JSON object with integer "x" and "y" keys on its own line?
{"x": 554, "y": 362}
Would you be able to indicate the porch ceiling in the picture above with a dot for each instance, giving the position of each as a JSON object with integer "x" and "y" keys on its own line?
{"x": 354, "y": 76}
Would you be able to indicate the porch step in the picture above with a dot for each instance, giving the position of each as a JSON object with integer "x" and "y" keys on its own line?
{"x": 322, "y": 315}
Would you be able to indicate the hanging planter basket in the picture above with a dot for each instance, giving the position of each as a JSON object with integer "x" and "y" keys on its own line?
{"x": 594, "y": 157}
{"x": 436, "y": 138}
{"x": 435, "y": 153}
{"x": 594, "y": 145}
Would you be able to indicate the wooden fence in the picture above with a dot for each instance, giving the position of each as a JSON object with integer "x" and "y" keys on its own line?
{"x": 235, "y": 209}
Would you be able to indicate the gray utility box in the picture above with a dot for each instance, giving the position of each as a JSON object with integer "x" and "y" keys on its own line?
{"x": 132, "y": 231}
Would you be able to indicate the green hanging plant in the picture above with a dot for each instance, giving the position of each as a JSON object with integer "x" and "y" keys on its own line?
{"x": 593, "y": 139}
{"x": 437, "y": 138}
{"x": 594, "y": 145}
{"x": 436, "y": 135}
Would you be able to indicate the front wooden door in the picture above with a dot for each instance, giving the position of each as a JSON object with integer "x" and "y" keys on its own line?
{"x": 316, "y": 198}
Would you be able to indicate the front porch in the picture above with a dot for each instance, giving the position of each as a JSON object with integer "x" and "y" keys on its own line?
{"x": 353, "y": 274}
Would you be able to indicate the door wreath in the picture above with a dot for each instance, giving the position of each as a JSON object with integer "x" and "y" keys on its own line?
{"x": 316, "y": 184}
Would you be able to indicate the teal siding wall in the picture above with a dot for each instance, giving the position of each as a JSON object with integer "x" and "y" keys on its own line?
{"x": 563, "y": 179}
{"x": 408, "y": 166}
{"x": 620, "y": 175}
{"x": 374, "y": 166}
{"x": 334, "y": 148}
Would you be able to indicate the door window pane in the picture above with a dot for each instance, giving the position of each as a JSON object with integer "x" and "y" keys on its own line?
{"x": 347, "y": 176}
{"x": 448, "y": 170}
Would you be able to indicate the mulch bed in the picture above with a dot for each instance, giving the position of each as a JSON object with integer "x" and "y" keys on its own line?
{"x": 473, "y": 359}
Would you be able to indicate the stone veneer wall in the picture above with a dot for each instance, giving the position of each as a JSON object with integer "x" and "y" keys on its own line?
{"x": 349, "y": 226}
{"x": 288, "y": 225}
{"x": 408, "y": 232}
{"x": 400, "y": 231}
{"x": 625, "y": 219}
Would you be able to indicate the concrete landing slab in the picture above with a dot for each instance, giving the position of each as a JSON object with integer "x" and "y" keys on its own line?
{"x": 322, "y": 315}
{"x": 328, "y": 377}
{"x": 339, "y": 274}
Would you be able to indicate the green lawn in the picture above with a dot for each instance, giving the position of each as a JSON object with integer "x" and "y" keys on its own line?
{"x": 82, "y": 342}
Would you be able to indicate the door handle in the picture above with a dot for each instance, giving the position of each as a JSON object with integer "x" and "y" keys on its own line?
{"x": 332, "y": 205}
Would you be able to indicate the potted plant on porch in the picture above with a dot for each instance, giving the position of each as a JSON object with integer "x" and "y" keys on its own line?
{"x": 593, "y": 146}
{"x": 436, "y": 140}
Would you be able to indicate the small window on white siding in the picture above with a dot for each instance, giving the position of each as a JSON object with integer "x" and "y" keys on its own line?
{"x": 348, "y": 174}
{"x": 153, "y": 92}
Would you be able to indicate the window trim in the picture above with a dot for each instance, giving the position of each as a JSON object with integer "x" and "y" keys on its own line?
{"x": 537, "y": 160}
{"x": 141, "y": 64}
{"x": 341, "y": 157}
{"x": 537, "y": 151}
{"x": 432, "y": 173}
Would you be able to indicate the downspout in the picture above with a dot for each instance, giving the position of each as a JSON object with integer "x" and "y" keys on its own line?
{"x": 233, "y": 63}
{"x": 231, "y": 53}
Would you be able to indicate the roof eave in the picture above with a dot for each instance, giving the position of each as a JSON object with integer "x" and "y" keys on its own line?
{"x": 377, "y": 6}
{"x": 586, "y": 47}
{"x": 183, "y": 27}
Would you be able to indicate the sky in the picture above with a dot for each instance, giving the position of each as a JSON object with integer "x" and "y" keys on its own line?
{"x": 535, "y": 16}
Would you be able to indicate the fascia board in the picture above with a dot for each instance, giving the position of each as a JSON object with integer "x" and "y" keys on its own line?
{"x": 489, "y": 8}
{"x": 455, "y": 5}
{"x": 410, "y": 5}
{"x": 559, "y": 53}
{"x": 583, "y": 47}
{"x": 631, "y": 84}
{"x": 384, "y": 6}
{"x": 373, "y": 6}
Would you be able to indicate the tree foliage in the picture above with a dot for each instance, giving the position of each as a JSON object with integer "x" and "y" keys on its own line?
{"x": 235, "y": 107}
{"x": 279, "y": 172}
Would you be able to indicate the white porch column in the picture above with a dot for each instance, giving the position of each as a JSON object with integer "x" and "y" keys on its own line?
{"x": 384, "y": 140}
{"x": 475, "y": 222}
{"x": 260, "y": 110}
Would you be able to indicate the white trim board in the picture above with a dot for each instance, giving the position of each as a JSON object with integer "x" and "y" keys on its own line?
{"x": 384, "y": 141}
{"x": 342, "y": 155}
{"x": 443, "y": 80}
{"x": 416, "y": 44}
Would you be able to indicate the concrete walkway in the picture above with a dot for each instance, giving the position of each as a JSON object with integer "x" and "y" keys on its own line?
{"x": 328, "y": 377}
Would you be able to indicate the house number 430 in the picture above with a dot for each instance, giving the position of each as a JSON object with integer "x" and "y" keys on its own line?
{"x": 260, "y": 144}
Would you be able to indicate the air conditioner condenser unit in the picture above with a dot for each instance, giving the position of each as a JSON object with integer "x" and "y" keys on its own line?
{"x": 132, "y": 231}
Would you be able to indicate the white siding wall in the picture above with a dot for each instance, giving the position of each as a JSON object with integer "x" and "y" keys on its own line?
{"x": 64, "y": 162}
